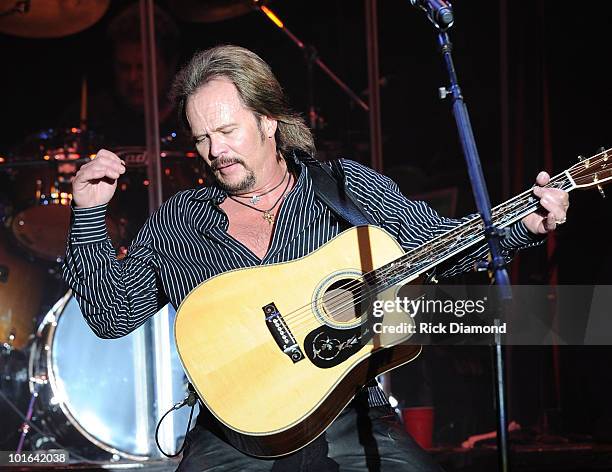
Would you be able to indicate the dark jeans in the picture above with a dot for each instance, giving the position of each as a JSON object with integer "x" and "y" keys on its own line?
{"x": 361, "y": 439}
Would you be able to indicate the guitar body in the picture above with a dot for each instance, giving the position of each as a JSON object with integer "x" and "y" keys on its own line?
{"x": 276, "y": 352}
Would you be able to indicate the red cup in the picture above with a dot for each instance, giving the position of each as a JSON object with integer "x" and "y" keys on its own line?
{"x": 418, "y": 422}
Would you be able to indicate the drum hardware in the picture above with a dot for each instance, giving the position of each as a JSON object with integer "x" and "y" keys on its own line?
{"x": 136, "y": 156}
{"x": 8, "y": 345}
{"x": 35, "y": 382}
{"x": 42, "y": 187}
{"x": 4, "y": 272}
{"x": 40, "y": 175}
{"x": 13, "y": 393}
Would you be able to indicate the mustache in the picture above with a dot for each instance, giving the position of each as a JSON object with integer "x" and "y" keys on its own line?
{"x": 224, "y": 161}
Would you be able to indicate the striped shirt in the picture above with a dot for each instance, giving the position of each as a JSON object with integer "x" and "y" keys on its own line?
{"x": 185, "y": 242}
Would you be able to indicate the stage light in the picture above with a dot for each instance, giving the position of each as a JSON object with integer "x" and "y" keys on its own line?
{"x": 272, "y": 16}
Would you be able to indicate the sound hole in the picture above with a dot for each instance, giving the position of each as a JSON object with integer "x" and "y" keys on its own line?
{"x": 343, "y": 300}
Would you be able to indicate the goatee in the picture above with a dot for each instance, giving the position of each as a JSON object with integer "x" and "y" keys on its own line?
{"x": 247, "y": 182}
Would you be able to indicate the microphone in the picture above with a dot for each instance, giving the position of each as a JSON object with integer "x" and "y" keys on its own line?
{"x": 439, "y": 12}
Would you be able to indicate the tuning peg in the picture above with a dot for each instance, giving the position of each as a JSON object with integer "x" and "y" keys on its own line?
{"x": 601, "y": 191}
{"x": 602, "y": 150}
{"x": 586, "y": 161}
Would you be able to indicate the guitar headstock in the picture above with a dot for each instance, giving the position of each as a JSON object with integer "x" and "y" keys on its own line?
{"x": 593, "y": 171}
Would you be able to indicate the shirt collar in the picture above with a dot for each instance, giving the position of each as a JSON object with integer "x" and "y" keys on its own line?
{"x": 208, "y": 192}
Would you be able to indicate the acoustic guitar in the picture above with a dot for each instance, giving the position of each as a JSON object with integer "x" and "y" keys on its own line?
{"x": 276, "y": 352}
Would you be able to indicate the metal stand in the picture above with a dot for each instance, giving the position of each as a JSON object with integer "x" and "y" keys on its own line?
{"x": 492, "y": 234}
{"x": 311, "y": 56}
{"x": 376, "y": 148}
{"x": 157, "y": 352}
{"x": 151, "y": 109}
{"x": 25, "y": 426}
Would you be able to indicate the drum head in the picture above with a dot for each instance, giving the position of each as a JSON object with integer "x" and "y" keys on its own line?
{"x": 42, "y": 230}
{"x": 107, "y": 390}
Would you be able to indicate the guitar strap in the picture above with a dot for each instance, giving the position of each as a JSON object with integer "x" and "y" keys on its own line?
{"x": 329, "y": 186}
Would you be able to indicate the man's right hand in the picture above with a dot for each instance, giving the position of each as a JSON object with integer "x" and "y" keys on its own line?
{"x": 96, "y": 181}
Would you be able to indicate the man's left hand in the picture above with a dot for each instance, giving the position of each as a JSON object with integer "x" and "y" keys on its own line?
{"x": 554, "y": 203}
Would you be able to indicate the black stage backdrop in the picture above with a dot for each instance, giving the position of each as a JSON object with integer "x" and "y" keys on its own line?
{"x": 536, "y": 77}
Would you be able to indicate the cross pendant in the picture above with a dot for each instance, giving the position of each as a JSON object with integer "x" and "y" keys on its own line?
{"x": 269, "y": 217}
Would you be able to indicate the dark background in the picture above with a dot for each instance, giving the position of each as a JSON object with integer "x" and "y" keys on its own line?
{"x": 556, "y": 67}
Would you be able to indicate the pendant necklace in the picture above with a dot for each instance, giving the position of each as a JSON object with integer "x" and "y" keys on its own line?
{"x": 254, "y": 199}
{"x": 266, "y": 214}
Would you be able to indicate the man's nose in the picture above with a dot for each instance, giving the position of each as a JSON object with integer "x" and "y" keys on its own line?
{"x": 218, "y": 147}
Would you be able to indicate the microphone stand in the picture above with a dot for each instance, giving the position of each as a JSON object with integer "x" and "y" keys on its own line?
{"x": 492, "y": 233}
{"x": 311, "y": 56}
{"x": 310, "y": 53}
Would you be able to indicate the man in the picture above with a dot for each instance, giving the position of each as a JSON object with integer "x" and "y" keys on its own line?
{"x": 116, "y": 110}
{"x": 260, "y": 209}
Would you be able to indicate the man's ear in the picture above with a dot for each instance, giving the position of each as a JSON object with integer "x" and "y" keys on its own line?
{"x": 268, "y": 126}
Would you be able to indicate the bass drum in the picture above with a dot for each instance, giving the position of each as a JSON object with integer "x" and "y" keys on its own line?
{"x": 22, "y": 286}
{"x": 99, "y": 397}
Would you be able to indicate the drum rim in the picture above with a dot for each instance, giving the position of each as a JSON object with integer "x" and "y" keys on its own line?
{"x": 51, "y": 319}
{"x": 31, "y": 250}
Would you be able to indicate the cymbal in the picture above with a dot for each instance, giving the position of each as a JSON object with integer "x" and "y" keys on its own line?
{"x": 210, "y": 11}
{"x": 49, "y": 18}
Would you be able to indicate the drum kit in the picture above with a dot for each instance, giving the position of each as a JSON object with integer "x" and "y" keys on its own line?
{"x": 72, "y": 377}
{"x": 61, "y": 386}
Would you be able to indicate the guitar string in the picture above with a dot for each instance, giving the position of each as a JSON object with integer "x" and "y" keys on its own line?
{"x": 499, "y": 212}
{"x": 344, "y": 297}
{"x": 500, "y": 208}
{"x": 343, "y": 300}
{"x": 470, "y": 226}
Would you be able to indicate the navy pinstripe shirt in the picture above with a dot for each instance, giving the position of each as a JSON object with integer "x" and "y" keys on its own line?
{"x": 185, "y": 242}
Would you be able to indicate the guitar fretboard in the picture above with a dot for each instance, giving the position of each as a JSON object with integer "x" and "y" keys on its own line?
{"x": 456, "y": 240}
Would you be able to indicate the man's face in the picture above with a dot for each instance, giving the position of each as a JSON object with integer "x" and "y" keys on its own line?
{"x": 129, "y": 74}
{"x": 239, "y": 149}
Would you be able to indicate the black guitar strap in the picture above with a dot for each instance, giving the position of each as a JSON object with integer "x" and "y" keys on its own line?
{"x": 329, "y": 186}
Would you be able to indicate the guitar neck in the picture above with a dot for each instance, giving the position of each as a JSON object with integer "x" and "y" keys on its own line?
{"x": 467, "y": 234}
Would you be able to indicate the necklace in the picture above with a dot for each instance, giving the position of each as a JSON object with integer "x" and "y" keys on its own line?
{"x": 256, "y": 198}
{"x": 266, "y": 214}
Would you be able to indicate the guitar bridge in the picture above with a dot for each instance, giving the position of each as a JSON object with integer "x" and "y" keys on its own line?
{"x": 281, "y": 333}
